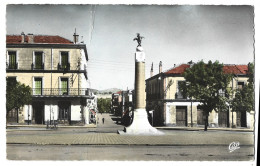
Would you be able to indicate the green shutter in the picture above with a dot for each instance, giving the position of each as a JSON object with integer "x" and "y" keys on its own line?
{"x": 64, "y": 85}
{"x": 64, "y": 60}
{"x": 38, "y": 60}
{"x": 38, "y": 86}
{"x": 12, "y": 60}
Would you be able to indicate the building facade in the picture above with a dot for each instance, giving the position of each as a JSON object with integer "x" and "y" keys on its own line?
{"x": 56, "y": 70}
{"x": 170, "y": 108}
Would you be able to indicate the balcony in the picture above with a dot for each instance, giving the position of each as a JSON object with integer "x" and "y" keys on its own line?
{"x": 60, "y": 92}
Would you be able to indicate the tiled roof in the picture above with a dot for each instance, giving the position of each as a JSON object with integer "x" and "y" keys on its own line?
{"x": 235, "y": 69}
{"x": 45, "y": 39}
{"x": 228, "y": 69}
{"x": 178, "y": 70}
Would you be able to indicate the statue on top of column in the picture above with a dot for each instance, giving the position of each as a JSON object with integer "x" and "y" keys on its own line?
{"x": 139, "y": 39}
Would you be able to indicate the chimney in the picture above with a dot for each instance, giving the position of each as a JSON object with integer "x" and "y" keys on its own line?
{"x": 151, "y": 72}
{"x": 160, "y": 67}
{"x": 75, "y": 37}
{"x": 23, "y": 37}
{"x": 191, "y": 63}
{"x": 30, "y": 38}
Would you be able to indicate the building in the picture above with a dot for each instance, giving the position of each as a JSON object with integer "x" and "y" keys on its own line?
{"x": 169, "y": 107}
{"x": 93, "y": 108}
{"x": 122, "y": 105}
{"x": 56, "y": 70}
{"x": 115, "y": 103}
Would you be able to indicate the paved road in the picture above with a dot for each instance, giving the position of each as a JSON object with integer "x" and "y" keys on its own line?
{"x": 110, "y": 125}
{"x": 103, "y": 143}
{"x": 129, "y": 153}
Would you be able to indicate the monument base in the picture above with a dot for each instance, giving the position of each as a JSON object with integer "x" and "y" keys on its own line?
{"x": 140, "y": 125}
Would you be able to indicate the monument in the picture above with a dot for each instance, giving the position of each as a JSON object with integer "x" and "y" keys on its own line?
{"x": 140, "y": 124}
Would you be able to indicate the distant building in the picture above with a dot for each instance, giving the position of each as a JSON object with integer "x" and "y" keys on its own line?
{"x": 56, "y": 70}
{"x": 169, "y": 107}
{"x": 122, "y": 105}
{"x": 115, "y": 103}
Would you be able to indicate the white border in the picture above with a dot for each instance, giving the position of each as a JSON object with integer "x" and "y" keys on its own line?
{"x": 179, "y": 2}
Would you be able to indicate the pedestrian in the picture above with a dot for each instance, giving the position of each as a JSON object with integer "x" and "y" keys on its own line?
{"x": 103, "y": 120}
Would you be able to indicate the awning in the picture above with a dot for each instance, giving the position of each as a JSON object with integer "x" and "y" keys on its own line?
{"x": 93, "y": 112}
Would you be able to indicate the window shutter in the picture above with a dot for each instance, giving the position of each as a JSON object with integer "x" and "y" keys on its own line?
{"x": 7, "y": 58}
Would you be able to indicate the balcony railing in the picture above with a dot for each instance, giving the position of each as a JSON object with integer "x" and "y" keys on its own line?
{"x": 60, "y": 92}
{"x": 64, "y": 67}
{"x": 179, "y": 95}
{"x": 38, "y": 66}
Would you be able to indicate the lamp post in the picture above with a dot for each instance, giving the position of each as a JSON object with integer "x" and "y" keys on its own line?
{"x": 191, "y": 111}
{"x": 28, "y": 114}
{"x": 188, "y": 83}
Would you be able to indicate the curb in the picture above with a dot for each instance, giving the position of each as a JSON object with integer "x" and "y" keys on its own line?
{"x": 102, "y": 144}
{"x": 202, "y": 129}
{"x": 44, "y": 126}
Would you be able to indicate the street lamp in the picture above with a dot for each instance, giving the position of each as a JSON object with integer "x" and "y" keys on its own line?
{"x": 188, "y": 83}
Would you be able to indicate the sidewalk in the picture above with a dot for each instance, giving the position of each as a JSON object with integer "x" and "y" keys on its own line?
{"x": 176, "y": 138}
{"x": 25, "y": 127}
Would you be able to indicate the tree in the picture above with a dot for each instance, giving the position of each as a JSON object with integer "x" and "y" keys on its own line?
{"x": 244, "y": 98}
{"x": 104, "y": 105}
{"x": 17, "y": 95}
{"x": 208, "y": 84}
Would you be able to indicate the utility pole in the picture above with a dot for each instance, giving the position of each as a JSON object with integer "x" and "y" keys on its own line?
{"x": 191, "y": 112}
{"x": 78, "y": 74}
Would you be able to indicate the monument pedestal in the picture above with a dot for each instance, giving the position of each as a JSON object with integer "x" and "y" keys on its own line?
{"x": 140, "y": 124}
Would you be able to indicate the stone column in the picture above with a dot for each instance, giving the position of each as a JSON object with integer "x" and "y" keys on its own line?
{"x": 140, "y": 124}
{"x": 139, "y": 78}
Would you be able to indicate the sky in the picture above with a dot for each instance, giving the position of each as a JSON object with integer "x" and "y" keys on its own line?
{"x": 174, "y": 34}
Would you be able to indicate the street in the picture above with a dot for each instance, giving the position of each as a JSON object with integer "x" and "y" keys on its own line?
{"x": 128, "y": 152}
{"x": 103, "y": 143}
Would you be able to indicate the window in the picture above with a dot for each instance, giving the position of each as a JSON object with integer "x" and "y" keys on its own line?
{"x": 12, "y": 60}
{"x": 38, "y": 60}
{"x": 179, "y": 94}
{"x": 37, "y": 86}
{"x": 64, "y": 86}
{"x": 64, "y": 60}
{"x": 240, "y": 85}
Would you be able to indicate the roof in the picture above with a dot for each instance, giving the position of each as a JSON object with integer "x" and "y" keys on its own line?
{"x": 228, "y": 69}
{"x": 235, "y": 69}
{"x": 178, "y": 70}
{"x": 40, "y": 39}
{"x": 44, "y": 41}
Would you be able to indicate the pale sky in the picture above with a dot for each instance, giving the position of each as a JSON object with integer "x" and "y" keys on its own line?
{"x": 173, "y": 35}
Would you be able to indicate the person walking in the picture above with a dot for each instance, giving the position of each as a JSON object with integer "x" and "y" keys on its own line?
{"x": 103, "y": 120}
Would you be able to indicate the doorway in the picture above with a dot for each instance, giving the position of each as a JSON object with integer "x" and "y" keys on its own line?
{"x": 200, "y": 120}
{"x": 223, "y": 119}
{"x": 38, "y": 112}
{"x": 64, "y": 112}
{"x": 241, "y": 119}
{"x": 181, "y": 116}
